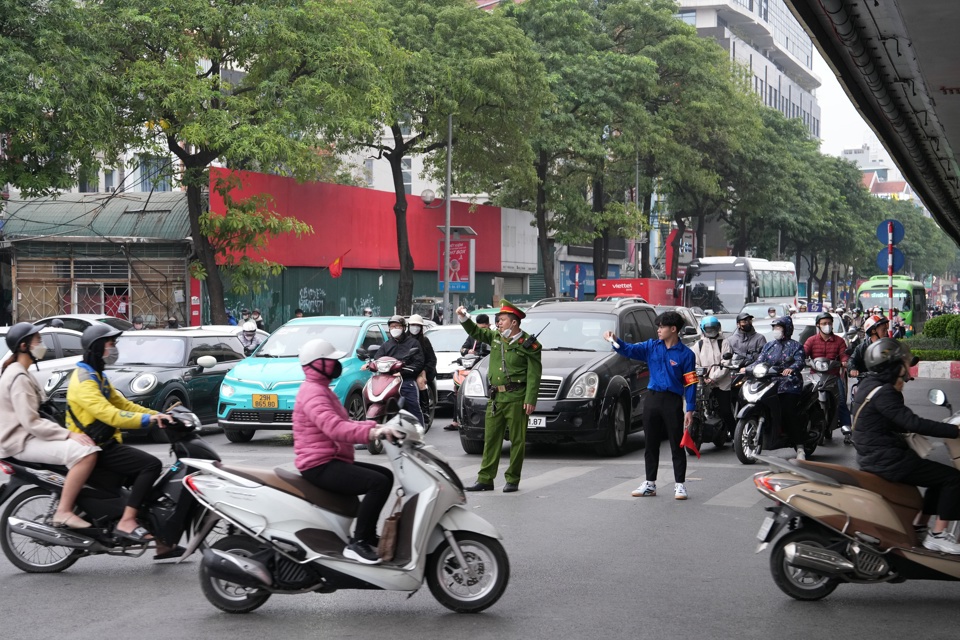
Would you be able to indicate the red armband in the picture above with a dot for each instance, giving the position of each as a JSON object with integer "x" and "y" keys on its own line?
{"x": 690, "y": 378}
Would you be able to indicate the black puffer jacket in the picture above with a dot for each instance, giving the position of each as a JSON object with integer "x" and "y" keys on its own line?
{"x": 879, "y": 430}
{"x": 400, "y": 349}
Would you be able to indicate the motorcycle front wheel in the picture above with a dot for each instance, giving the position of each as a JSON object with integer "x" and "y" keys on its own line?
{"x": 454, "y": 588}
{"x": 24, "y": 552}
{"x": 228, "y": 596}
{"x": 747, "y": 441}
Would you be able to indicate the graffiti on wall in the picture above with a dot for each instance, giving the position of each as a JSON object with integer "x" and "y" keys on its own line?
{"x": 358, "y": 305}
{"x": 311, "y": 300}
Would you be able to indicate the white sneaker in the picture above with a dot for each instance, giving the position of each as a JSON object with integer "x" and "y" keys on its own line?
{"x": 940, "y": 542}
{"x": 801, "y": 454}
{"x": 680, "y": 492}
{"x": 646, "y": 490}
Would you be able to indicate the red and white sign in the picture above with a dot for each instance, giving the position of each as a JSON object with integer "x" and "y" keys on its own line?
{"x": 462, "y": 266}
{"x": 650, "y": 289}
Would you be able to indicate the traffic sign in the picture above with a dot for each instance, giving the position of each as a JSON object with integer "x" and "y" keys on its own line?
{"x": 883, "y": 234}
{"x": 898, "y": 260}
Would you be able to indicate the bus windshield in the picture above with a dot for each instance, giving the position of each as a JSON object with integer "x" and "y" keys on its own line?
{"x": 878, "y": 298}
{"x": 718, "y": 291}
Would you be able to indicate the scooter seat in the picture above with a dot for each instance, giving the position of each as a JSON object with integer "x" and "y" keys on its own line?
{"x": 295, "y": 484}
{"x": 56, "y": 468}
{"x": 905, "y": 495}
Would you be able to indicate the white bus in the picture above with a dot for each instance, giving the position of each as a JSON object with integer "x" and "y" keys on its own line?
{"x": 725, "y": 284}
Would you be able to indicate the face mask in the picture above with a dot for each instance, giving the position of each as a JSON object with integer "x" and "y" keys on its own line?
{"x": 506, "y": 333}
{"x": 827, "y": 329}
{"x": 396, "y": 333}
{"x": 110, "y": 355}
{"x": 778, "y": 334}
{"x": 415, "y": 329}
{"x": 746, "y": 328}
{"x": 38, "y": 351}
{"x": 772, "y": 315}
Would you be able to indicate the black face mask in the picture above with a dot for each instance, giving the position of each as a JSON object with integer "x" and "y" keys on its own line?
{"x": 330, "y": 368}
{"x": 746, "y": 328}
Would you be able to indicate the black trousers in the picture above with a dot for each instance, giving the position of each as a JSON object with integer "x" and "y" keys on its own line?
{"x": 120, "y": 465}
{"x": 793, "y": 424}
{"x": 942, "y": 497}
{"x": 371, "y": 481}
{"x": 663, "y": 420}
{"x": 725, "y": 400}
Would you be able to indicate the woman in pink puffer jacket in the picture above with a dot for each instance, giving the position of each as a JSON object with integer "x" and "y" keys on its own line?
{"x": 323, "y": 439}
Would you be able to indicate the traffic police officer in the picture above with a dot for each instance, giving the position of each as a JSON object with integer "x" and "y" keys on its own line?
{"x": 513, "y": 381}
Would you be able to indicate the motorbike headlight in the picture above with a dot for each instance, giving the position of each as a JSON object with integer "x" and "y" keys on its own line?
{"x": 226, "y": 390}
{"x": 761, "y": 370}
{"x": 473, "y": 386}
{"x": 143, "y": 383}
{"x": 585, "y": 386}
{"x": 384, "y": 367}
{"x": 821, "y": 365}
{"x": 54, "y": 381}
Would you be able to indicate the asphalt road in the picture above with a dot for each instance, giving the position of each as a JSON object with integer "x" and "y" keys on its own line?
{"x": 588, "y": 561}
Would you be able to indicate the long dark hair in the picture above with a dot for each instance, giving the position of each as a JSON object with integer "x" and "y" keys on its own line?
{"x": 94, "y": 355}
{"x": 15, "y": 353}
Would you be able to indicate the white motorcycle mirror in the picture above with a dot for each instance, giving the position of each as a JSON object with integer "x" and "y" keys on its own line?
{"x": 939, "y": 398}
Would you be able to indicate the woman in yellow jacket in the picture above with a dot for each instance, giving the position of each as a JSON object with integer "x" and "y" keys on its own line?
{"x": 95, "y": 408}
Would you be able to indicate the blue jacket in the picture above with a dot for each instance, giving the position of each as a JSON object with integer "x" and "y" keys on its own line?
{"x": 673, "y": 369}
{"x": 784, "y": 354}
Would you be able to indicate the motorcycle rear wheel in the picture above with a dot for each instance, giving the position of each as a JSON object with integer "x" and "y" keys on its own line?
{"x": 228, "y": 596}
{"x": 24, "y": 552}
{"x": 796, "y": 582}
{"x": 747, "y": 441}
{"x": 451, "y": 585}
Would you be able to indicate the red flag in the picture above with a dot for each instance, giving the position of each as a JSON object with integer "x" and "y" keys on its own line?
{"x": 336, "y": 267}
{"x": 687, "y": 442}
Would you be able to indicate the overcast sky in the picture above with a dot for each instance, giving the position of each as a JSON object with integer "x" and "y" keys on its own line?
{"x": 841, "y": 126}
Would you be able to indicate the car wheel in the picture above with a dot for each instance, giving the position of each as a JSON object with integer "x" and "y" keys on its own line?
{"x": 617, "y": 434}
{"x": 473, "y": 447}
{"x": 239, "y": 435}
{"x": 355, "y": 407}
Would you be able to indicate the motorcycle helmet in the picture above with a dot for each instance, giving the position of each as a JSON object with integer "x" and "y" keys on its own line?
{"x": 249, "y": 327}
{"x": 56, "y": 322}
{"x": 744, "y": 316}
{"x": 787, "y": 323}
{"x": 710, "y": 326}
{"x": 320, "y": 349}
{"x": 397, "y": 319}
{"x": 885, "y": 356}
{"x": 96, "y": 333}
{"x": 20, "y": 332}
{"x": 823, "y": 315}
{"x": 872, "y": 322}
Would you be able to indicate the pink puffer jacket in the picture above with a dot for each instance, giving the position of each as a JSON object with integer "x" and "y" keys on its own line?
{"x": 322, "y": 430}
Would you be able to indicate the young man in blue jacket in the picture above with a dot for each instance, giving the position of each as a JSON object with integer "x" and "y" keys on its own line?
{"x": 673, "y": 384}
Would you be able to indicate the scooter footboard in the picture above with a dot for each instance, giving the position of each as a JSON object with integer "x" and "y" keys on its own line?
{"x": 459, "y": 519}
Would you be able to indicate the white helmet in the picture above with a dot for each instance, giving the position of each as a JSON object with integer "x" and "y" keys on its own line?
{"x": 319, "y": 349}
{"x": 249, "y": 325}
{"x": 415, "y": 319}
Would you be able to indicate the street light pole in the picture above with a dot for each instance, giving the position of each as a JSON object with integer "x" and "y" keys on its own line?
{"x": 447, "y": 312}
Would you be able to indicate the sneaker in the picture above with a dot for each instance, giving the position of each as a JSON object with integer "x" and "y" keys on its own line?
{"x": 680, "y": 492}
{"x": 801, "y": 454}
{"x": 646, "y": 490}
{"x": 940, "y": 542}
{"x": 361, "y": 552}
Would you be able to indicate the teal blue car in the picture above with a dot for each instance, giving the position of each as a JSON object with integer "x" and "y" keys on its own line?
{"x": 258, "y": 393}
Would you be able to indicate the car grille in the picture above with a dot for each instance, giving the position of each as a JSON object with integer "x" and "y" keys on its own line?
{"x": 262, "y": 417}
{"x": 549, "y": 388}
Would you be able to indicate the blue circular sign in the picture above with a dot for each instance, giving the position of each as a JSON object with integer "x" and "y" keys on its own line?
{"x": 898, "y": 260}
{"x": 883, "y": 233}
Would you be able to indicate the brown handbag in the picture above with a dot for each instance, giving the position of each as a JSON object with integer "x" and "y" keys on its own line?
{"x": 388, "y": 535}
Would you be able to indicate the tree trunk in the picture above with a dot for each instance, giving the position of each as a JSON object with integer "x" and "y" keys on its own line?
{"x": 405, "y": 286}
{"x": 194, "y": 179}
{"x": 812, "y": 266}
{"x": 741, "y": 245}
{"x": 645, "y": 246}
{"x": 675, "y": 246}
{"x": 822, "y": 280}
{"x": 601, "y": 244}
{"x": 701, "y": 226}
{"x": 543, "y": 237}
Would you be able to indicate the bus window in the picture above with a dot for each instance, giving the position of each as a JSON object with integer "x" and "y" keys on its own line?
{"x": 906, "y": 302}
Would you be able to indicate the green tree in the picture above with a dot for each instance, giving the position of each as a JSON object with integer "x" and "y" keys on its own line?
{"x": 255, "y": 85}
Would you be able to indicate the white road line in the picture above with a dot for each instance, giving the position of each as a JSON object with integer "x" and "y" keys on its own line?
{"x": 743, "y": 494}
{"x": 621, "y": 491}
{"x": 553, "y": 477}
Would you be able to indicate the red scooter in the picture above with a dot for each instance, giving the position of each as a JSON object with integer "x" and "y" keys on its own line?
{"x": 381, "y": 393}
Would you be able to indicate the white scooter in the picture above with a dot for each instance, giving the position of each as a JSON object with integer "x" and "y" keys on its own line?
{"x": 294, "y": 534}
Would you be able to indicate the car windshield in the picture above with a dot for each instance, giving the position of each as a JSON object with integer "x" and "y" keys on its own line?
{"x": 153, "y": 350}
{"x": 447, "y": 340}
{"x": 286, "y": 341}
{"x": 575, "y": 331}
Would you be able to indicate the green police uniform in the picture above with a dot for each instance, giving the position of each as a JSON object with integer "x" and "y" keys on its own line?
{"x": 514, "y": 380}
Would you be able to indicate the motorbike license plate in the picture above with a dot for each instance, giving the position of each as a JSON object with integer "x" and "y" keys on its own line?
{"x": 265, "y": 401}
{"x": 535, "y": 422}
{"x": 765, "y": 528}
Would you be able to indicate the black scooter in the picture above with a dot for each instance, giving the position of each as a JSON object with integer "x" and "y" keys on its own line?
{"x": 34, "y": 545}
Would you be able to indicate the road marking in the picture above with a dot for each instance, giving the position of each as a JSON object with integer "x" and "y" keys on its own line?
{"x": 743, "y": 494}
{"x": 553, "y": 477}
{"x": 619, "y": 492}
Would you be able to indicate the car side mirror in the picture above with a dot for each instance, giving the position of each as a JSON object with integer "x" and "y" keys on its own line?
{"x": 206, "y": 362}
{"x": 689, "y": 331}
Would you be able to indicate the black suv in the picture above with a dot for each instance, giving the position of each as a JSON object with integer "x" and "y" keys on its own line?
{"x": 588, "y": 393}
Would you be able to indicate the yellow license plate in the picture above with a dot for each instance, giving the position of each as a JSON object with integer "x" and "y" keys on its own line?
{"x": 265, "y": 401}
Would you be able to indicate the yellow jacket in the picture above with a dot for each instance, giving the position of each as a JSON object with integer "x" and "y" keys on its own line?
{"x": 91, "y": 397}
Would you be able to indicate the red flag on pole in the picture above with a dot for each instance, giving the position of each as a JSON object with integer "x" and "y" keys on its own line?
{"x": 687, "y": 443}
{"x": 336, "y": 267}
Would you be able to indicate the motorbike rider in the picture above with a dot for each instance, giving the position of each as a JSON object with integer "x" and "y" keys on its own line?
{"x": 709, "y": 354}
{"x": 31, "y": 438}
{"x": 249, "y": 338}
{"x": 138, "y": 323}
{"x": 367, "y": 312}
{"x": 785, "y": 356}
{"x": 897, "y": 327}
{"x": 745, "y": 342}
{"x": 320, "y": 426}
{"x": 429, "y": 373}
{"x": 875, "y": 328}
{"x": 472, "y": 345}
{"x": 878, "y": 435}
{"x": 399, "y": 346}
{"x": 258, "y": 319}
{"x": 825, "y": 344}
{"x": 95, "y": 408}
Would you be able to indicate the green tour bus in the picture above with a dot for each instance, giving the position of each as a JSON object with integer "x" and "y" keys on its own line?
{"x": 909, "y": 296}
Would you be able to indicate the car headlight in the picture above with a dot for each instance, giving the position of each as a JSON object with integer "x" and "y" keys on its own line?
{"x": 473, "y": 386}
{"x": 54, "y": 381}
{"x": 227, "y": 391}
{"x": 143, "y": 383}
{"x": 585, "y": 386}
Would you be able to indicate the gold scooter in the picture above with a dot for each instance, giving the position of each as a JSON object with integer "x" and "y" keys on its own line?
{"x": 833, "y": 524}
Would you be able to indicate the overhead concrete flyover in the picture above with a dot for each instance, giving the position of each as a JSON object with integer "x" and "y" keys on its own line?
{"x": 899, "y": 63}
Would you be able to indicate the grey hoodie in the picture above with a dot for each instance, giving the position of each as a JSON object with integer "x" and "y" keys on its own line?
{"x": 743, "y": 344}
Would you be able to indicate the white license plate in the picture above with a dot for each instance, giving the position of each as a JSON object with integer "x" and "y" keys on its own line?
{"x": 535, "y": 422}
{"x": 765, "y": 529}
